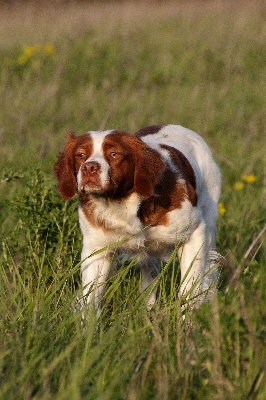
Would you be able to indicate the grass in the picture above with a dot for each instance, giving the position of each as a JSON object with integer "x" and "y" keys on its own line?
{"x": 201, "y": 65}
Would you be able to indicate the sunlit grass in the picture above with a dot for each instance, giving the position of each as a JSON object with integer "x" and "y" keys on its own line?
{"x": 202, "y": 67}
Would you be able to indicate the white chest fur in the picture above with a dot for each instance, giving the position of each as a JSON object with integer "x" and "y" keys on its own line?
{"x": 118, "y": 222}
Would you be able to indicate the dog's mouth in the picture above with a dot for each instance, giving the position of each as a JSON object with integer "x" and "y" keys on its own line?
{"x": 90, "y": 187}
{"x": 93, "y": 185}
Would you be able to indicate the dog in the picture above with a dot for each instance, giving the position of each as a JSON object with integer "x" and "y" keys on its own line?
{"x": 149, "y": 193}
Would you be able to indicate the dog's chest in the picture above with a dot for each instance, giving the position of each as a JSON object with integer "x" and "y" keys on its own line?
{"x": 113, "y": 216}
{"x": 118, "y": 221}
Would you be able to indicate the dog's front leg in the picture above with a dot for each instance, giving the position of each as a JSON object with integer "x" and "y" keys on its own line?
{"x": 94, "y": 270}
{"x": 193, "y": 265}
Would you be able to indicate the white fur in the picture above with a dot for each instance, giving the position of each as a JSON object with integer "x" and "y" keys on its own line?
{"x": 194, "y": 227}
{"x": 97, "y": 156}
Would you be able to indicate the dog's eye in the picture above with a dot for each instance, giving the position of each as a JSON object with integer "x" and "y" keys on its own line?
{"x": 80, "y": 155}
{"x": 114, "y": 154}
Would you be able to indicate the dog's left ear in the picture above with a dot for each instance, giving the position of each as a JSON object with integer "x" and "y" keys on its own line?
{"x": 148, "y": 170}
{"x": 64, "y": 170}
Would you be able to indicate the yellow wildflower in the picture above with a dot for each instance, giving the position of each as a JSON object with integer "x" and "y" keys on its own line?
{"x": 28, "y": 51}
{"x": 250, "y": 178}
{"x": 239, "y": 186}
{"x": 49, "y": 49}
{"x": 221, "y": 209}
{"x": 22, "y": 59}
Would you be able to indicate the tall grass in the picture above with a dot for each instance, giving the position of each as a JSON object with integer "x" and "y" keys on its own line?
{"x": 204, "y": 70}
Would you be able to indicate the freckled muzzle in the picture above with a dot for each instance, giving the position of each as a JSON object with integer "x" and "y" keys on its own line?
{"x": 89, "y": 178}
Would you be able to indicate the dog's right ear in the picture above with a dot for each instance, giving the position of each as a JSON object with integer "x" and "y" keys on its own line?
{"x": 64, "y": 170}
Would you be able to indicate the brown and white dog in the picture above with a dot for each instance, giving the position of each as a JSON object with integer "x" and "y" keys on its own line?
{"x": 151, "y": 192}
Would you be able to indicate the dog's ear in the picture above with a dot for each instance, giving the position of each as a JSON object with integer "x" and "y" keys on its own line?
{"x": 64, "y": 170}
{"x": 148, "y": 170}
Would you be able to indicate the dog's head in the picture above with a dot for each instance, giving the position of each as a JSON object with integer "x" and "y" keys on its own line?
{"x": 109, "y": 164}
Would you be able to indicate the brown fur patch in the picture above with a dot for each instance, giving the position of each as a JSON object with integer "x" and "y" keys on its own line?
{"x": 143, "y": 162}
{"x": 87, "y": 204}
{"x": 68, "y": 163}
{"x": 149, "y": 130}
{"x": 170, "y": 193}
{"x": 64, "y": 170}
{"x": 82, "y": 144}
{"x": 121, "y": 167}
{"x": 185, "y": 170}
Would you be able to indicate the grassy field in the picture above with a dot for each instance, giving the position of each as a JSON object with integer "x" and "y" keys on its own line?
{"x": 125, "y": 66}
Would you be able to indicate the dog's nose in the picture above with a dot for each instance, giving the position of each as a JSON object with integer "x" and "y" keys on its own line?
{"x": 90, "y": 167}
